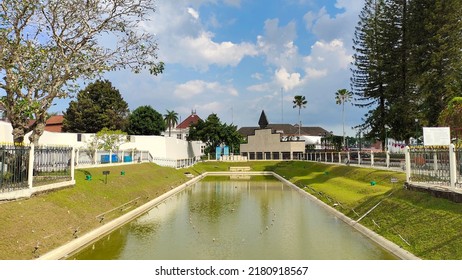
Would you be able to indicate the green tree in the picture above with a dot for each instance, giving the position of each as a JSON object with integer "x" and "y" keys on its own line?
{"x": 98, "y": 106}
{"x": 437, "y": 55}
{"x": 107, "y": 140}
{"x": 300, "y": 102}
{"x": 47, "y": 46}
{"x": 343, "y": 96}
{"x": 213, "y": 133}
{"x": 171, "y": 119}
{"x": 451, "y": 116}
{"x": 368, "y": 82}
{"x": 407, "y": 63}
{"x": 144, "y": 120}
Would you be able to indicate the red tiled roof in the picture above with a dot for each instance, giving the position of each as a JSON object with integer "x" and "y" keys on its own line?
{"x": 55, "y": 120}
{"x": 53, "y": 124}
{"x": 192, "y": 119}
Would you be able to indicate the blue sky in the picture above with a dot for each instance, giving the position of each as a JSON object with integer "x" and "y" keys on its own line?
{"x": 233, "y": 57}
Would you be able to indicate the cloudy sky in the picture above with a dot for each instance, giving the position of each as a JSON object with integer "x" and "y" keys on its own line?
{"x": 238, "y": 57}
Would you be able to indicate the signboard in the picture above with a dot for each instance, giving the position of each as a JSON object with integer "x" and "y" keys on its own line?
{"x": 436, "y": 136}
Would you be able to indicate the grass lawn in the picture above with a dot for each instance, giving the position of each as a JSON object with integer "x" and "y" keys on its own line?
{"x": 53, "y": 219}
{"x": 426, "y": 226}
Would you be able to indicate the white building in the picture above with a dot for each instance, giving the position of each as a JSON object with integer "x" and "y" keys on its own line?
{"x": 160, "y": 147}
{"x": 181, "y": 131}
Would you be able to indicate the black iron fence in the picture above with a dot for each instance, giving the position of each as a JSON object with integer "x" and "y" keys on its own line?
{"x": 14, "y": 162}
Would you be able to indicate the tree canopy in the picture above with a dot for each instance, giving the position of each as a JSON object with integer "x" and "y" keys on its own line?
{"x": 343, "y": 96}
{"x": 407, "y": 64}
{"x": 451, "y": 116}
{"x": 47, "y": 46}
{"x": 144, "y": 120}
{"x": 98, "y": 106}
{"x": 300, "y": 102}
{"x": 171, "y": 119}
{"x": 214, "y": 133}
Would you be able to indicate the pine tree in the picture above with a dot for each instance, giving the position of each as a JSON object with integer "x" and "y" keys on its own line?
{"x": 437, "y": 54}
{"x": 407, "y": 63}
{"x": 368, "y": 82}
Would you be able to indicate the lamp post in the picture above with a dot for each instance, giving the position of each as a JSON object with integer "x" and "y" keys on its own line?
{"x": 416, "y": 130}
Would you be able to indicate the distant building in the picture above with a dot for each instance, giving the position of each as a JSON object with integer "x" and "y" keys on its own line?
{"x": 53, "y": 123}
{"x": 311, "y": 135}
{"x": 271, "y": 142}
{"x": 181, "y": 131}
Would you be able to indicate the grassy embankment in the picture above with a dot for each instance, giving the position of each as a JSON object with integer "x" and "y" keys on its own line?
{"x": 426, "y": 226}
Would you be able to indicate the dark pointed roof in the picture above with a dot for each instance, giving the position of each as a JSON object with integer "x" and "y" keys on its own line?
{"x": 263, "y": 121}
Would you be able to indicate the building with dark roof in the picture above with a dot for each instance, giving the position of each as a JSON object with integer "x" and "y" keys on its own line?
{"x": 311, "y": 135}
{"x": 272, "y": 141}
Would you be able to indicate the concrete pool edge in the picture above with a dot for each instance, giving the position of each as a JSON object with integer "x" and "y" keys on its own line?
{"x": 75, "y": 245}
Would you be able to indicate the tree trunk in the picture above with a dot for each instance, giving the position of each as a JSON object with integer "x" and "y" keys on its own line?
{"x": 18, "y": 135}
{"x": 37, "y": 132}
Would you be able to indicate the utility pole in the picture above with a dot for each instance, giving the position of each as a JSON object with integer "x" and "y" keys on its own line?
{"x": 282, "y": 106}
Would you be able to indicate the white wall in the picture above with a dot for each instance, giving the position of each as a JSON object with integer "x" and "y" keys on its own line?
{"x": 158, "y": 146}
{"x": 5, "y": 132}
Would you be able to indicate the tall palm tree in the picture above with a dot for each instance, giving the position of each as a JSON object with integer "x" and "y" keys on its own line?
{"x": 300, "y": 102}
{"x": 341, "y": 97}
{"x": 171, "y": 119}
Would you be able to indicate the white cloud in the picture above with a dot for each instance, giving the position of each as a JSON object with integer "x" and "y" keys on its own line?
{"x": 195, "y": 88}
{"x": 260, "y": 87}
{"x": 327, "y": 56}
{"x": 338, "y": 26}
{"x": 287, "y": 80}
{"x": 193, "y": 13}
{"x": 202, "y": 51}
{"x": 257, "y": 76}
{"x": 277, "y": 44}
{"x": 183, "y": 37}
{"x": 209, "y": 108}
{"x": 315, "y": 73}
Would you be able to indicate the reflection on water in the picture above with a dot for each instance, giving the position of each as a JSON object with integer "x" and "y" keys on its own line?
{"x": 235, "y": 219}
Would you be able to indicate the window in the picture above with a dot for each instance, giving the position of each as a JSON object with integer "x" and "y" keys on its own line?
{"x": 178, "y": 136}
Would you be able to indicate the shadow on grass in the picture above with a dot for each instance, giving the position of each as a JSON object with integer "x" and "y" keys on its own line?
{"x": 85, "y": 172}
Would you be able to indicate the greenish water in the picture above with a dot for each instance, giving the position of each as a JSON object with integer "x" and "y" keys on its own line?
{"x": 222, "y": 219}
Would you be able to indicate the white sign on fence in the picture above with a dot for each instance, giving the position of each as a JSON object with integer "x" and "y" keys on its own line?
{"x": 436, "y": 136}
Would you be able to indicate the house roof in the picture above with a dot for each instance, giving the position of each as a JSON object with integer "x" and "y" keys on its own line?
{"x": 286, "y": 130}
{"x": 53, "y": 124}
{"x": 55, "y": 120}
{"x": 192, "y": 119}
